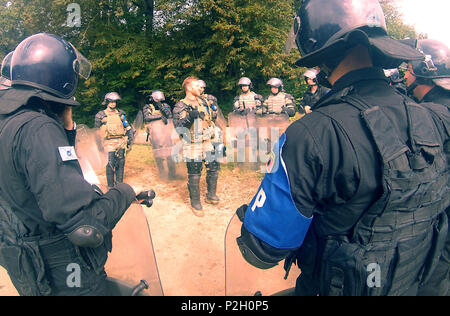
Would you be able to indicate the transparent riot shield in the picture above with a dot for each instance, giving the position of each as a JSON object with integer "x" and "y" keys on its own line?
{"x": 270, "y": 128}
{"x": 90, "y": 149}
{"x": 243, "y": 279}
{"x": 160, "y": 137}
{"x": 131, "y": 266}
{"x": 243, "y": 139}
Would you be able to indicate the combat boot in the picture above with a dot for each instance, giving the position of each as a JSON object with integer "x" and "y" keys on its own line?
{"x": 211, "y": 182}
{"x": 194, "y": 191}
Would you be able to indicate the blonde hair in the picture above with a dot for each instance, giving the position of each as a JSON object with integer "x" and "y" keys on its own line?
{"x": 188, "y": 81}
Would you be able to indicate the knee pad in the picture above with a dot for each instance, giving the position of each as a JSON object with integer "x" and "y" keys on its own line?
{"x": 194, "y": 167}
{"x": 213, "y": 166}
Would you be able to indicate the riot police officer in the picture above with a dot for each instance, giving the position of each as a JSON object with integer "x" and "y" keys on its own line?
{"x": 51, "y": 219}
{"x": 5, "y": 77}
{"x": 156, "y": 111}
{"x": 193, "y": 118}
{"x": 429, "y": 81}
{"x": 395, "y": 80}
{"x": 359, "y": 204}
{"x": 314, "y": 93}
{"x": 278, "y": 101}
{"x": 248, "y": 101}
{"x": 118, "y": 135}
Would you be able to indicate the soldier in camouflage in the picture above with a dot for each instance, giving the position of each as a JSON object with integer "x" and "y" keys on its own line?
{"x": 118, "y": 134}
{"x": 278, "y": 101}
{"x": 248, "y": 101}
{"x": 202, "y": 141}
{"x": 158, "y": 118}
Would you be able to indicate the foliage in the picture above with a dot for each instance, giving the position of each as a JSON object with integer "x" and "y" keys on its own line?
{"x": 141, "y": 45}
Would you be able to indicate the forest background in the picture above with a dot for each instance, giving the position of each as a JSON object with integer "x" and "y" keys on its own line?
{"x": 140, "y": 45}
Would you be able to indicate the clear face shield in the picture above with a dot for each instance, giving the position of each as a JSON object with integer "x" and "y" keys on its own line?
{"x": 81, "y": 65}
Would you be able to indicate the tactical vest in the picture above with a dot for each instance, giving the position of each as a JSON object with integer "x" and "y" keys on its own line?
{"x": 114, "y": 125}
{"x": 22, "y": 256}
{"x": 276, "y": 103}
{"x": 248, "y": 101}
{"x": 202, "y": 129}
{"x": 154, "y": 110}
{"x": 398, "y": 240}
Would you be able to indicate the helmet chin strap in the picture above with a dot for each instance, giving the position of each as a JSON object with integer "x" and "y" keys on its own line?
{"x": 322, "y": 76}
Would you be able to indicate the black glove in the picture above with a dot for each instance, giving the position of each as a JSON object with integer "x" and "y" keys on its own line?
{"x": 194, "y": 114}
{"x": 240, "y": 212}
{"x": 146, "y": 197}
{"x": 164, "y": 119}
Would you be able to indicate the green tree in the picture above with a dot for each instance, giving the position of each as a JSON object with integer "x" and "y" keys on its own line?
{"x": 140, "y": 45}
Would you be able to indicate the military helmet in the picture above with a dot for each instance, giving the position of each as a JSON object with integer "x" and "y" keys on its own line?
{"x": 111, "y": 97}
{"x": 6, "y": 66}
{"x": 311, "y": 74}
{"x": 244, "y": 81}
{"x": 158, "y": 96}
{"x": 435, "y": 64}
{"x": 202, "y": 83}
{"x": 49, "y": 63}
{"x": 275, "y": 82}
{"x": 393, "y": 74}
{"x": 326, "y": 29}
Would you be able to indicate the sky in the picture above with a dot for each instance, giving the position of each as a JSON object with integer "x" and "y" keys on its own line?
{"x": 428, "y": 16}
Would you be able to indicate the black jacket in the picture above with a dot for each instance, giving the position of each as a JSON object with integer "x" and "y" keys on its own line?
{"x": 334, "y": 172}
{"x": 46, "y": 191}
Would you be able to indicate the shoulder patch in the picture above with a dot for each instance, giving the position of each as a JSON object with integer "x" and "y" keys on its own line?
{"x": 67, "y": 153}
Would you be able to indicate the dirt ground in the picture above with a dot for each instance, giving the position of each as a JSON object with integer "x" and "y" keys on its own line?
{"x": 189, "y": 249}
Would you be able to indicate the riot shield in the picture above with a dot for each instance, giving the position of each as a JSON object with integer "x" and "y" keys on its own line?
{"x": 270, "y": 128}
{"x": 139, "y": 121}
{"x": 243, "y": 279}
{"x": 90, "y": 149}
{"x": 131, "y": 266}
{"x": 242, "y": 137}
{"x": 160, "y": 136}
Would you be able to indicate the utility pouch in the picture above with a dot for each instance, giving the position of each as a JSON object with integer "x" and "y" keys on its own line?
{"x": 96, "y": 257}
{"x": 341, "y": 270}
{"x": 25, "y": 267}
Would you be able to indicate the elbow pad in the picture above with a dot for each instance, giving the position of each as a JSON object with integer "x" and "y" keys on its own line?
{"x": 86, "y": 236}
{"x": 83, "y": 230}
{"x": 256, "y": 253}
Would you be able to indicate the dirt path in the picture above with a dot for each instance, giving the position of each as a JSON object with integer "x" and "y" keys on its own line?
{"x": 189, "y": 249}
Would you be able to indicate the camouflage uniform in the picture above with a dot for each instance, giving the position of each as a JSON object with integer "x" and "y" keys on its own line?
{"x": 280, "y": 103}
{"x": 199, "y": 146}
{"x": 118, "y": 135}
{"x": 159, "y": 125}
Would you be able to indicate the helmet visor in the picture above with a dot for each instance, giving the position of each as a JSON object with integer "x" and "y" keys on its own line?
{"x": 81, "y": 65}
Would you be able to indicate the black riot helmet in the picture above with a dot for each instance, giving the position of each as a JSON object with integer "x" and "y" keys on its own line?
{"x": 326, "y": 29}
{"x": 48, "y": 63}
{"x": 435, "y": 65}
{"x": 5, "y": 78}
{"x": 6, "y": 66}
